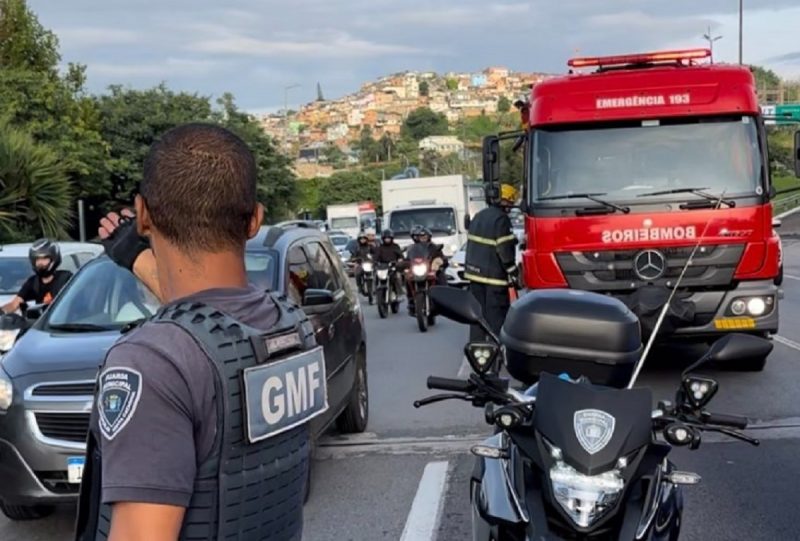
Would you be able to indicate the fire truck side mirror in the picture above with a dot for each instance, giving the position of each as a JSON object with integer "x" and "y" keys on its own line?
{"x": 491, "y": 159}
{"x": 797, "y": 153}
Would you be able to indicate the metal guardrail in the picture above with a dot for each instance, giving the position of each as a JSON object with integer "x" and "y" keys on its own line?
{"x": 785, "y": 204}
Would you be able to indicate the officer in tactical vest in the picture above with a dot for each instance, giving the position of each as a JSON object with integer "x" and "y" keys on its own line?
{"x": 490, "y": 263}
{"x": 193, "y": 432}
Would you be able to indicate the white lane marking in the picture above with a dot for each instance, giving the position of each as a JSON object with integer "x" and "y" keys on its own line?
{"x": 788, "y": 213}
{"x": 791, "y": 276}
{"x": 464, "y": 370}
{"x": 786, "y": 342}
{"x": 426, "y": 509}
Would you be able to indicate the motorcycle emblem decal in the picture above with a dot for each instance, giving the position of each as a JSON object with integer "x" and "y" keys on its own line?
{"x": 593, "y": 429}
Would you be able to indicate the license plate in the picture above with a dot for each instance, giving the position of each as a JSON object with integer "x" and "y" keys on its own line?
{"x": 75, "y": 469}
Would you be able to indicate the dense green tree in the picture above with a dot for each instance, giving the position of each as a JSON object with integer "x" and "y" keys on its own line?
{"x": 131, "y": 120}
{"x": 368, "y": 148}
{"x": 35, "y": 195}
{"x": 424, "y": 88}
{"x": 51, "y": 107}
{"x": 452, "y": 84}
{"x": 350, "y": 186}
{"x": 503, "y": 105}
{"x": 423, "y": 122}
{"x": 334, "y": 157}
{"x": 765, "y": 78}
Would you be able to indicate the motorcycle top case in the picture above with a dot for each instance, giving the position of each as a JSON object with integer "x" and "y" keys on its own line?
{"x": 577, "y": 332}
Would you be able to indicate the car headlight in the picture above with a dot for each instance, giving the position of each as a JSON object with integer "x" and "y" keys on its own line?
{"x": 366, "y": 266}
{"x": 419, "y": 269}
{"x": 6, "y": 391}
{"x": 383, "y": 274}
{"x": 7, "y": 338}
{"x": 585, "y": 498}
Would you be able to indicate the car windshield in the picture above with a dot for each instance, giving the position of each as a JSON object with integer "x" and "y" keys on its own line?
{"x": 13, "y": 273}
{"x": 106, "y": 296}
{"x": 719, "y": 154}
{"x": 438, "y": 220}
{"x": 346, "y": 222}
{"x": 339, "y": 241}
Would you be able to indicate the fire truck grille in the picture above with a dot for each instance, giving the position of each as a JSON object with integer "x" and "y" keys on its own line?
{"x": 616, "y": 270}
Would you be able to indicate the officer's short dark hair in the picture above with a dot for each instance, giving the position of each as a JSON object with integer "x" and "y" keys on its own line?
{"x": 199, "y": 186}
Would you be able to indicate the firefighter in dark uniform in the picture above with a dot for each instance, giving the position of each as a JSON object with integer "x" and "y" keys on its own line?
{"x": 491, "y": 265}
{"x": 183, "y": 444}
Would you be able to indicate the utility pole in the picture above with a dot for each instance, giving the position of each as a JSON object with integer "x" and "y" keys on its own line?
{"x": 708, "y": 36}
{"x": 741, "y": 20}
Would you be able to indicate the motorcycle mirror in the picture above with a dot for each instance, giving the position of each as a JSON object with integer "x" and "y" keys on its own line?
{"x": 733, "y": 347}
{"x": 12, "y": 322}
{"x": 457, "y": 304}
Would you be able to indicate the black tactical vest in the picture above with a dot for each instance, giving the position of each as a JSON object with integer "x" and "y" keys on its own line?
{"x": 242, "y": 491}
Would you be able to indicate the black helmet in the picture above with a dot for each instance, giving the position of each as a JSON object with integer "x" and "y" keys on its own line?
{"x": 415, "y": 231}
{"x": 425, "y": 231}
{"x": 387, "y": 234}
{"x": 45, "y": 248}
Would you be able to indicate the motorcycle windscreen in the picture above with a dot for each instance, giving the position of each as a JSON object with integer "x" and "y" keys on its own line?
{"x": 592, "y": 425}
{"x": 418, "y": 251}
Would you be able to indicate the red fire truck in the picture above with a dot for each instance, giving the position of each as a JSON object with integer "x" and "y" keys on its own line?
{"x": 631, "y": 167}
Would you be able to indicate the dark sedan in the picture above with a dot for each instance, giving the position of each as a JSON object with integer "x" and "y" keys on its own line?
{"x": 47, "y": 379}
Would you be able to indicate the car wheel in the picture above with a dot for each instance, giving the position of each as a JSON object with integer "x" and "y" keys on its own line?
{"x": 355, "y": 416}
{"x": 26, "y": 512}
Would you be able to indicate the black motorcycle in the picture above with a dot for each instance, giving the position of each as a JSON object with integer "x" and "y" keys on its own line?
{"x": 366, "y": 278}
{"x": 420, "y": 278}
{"x": 386, "y": 293}
{"x": 575, "y": 457}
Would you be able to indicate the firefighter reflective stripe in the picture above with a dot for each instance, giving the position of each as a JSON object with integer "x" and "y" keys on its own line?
{"x": 507, "y": 238}
{"x": 484, "y": 280}
{"x": 491, "y": 242}
{"x": 482, "y": 240}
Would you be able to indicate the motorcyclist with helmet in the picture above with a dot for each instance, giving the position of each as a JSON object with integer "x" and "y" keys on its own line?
{"x": 388, "y": 251}
{"x": 422, "y": 236}
{"x": 364, "y": 250}
{"x": 47, "y": 280}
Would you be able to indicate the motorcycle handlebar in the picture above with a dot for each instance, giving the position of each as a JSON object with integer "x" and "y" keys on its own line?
{"x": 448, "y": 384}
{"x": 733, "y": 421}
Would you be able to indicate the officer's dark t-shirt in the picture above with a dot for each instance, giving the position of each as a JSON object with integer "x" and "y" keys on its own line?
{"x": 152, "y": 455}
{"x": 35, "y": 290}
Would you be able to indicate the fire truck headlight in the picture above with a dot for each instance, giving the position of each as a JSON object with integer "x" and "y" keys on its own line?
{"x": 756, "y": 306}
{"x": 738, "y": 307}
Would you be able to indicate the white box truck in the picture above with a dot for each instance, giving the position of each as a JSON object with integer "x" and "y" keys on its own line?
{"x": 351, "y": 218}
{"x": 438, "y": 203}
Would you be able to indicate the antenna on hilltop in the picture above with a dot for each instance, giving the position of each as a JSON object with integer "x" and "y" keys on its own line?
{"x": 320, "y": 97}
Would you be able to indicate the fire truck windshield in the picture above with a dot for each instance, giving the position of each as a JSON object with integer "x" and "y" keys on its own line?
{"x": 624, "y": 161}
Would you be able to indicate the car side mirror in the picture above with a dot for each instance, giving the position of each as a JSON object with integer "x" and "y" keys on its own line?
{"x": 733, "y": 347}
{"x": 317, "y": 297}
{"x": 797, "y": 153}
{"x": 776, "y": 223}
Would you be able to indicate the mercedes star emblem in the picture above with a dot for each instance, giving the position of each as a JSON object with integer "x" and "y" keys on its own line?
{"x": 649, "y": 265}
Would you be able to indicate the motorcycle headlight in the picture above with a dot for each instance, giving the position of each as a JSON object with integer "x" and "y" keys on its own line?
{"x": 585, "y": 498}
{"x": 419, "y": 269}
{"x": 7, "y": 338}
{"x": 367, "y": 266}
{"x": 6, "y": 391}
{"x": 383, "y": 274}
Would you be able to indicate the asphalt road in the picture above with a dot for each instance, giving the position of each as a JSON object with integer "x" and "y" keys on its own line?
{"x": 412, "y": 463}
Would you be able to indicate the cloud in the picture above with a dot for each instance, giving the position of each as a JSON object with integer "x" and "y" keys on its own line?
{"x": 169, "y": 67}
{"x": 327, "y": 45}
{"x": 81, "y": 37}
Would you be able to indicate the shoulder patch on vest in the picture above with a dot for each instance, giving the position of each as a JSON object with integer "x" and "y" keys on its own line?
{"x": 120, "y": 390}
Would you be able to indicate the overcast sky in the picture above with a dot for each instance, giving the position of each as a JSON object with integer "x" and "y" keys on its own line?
{"x": 255, "y": 48}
